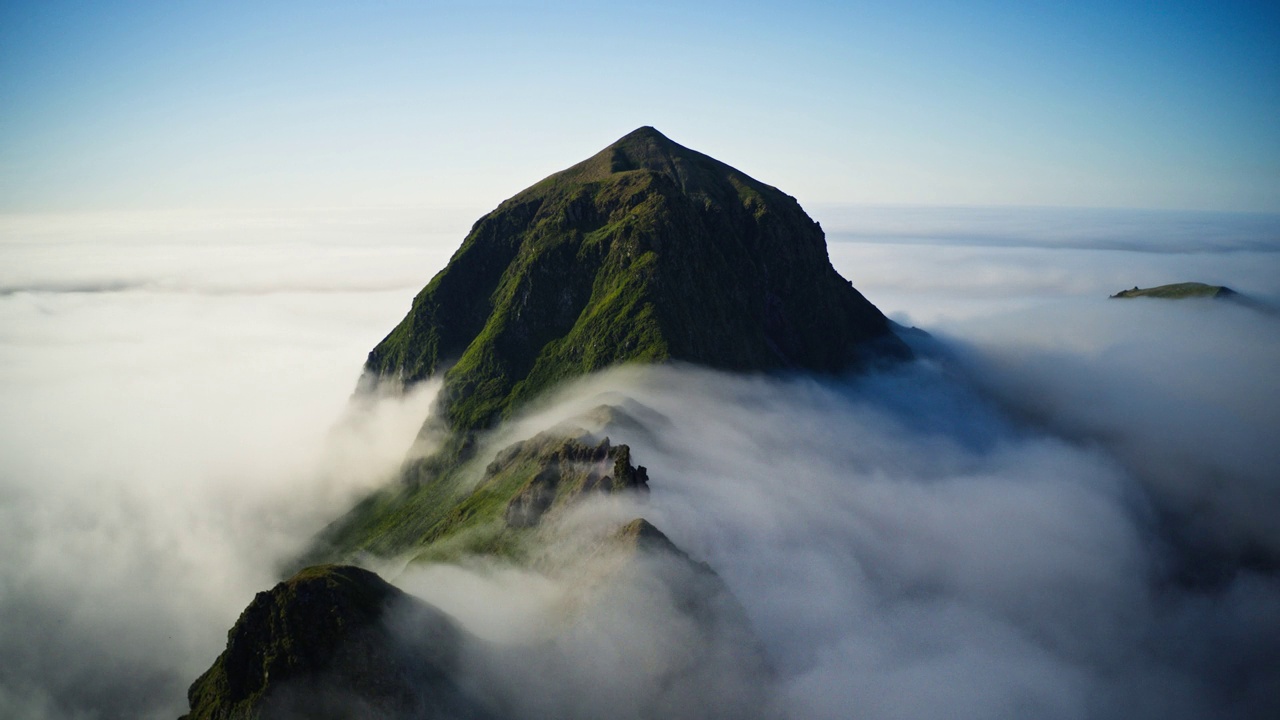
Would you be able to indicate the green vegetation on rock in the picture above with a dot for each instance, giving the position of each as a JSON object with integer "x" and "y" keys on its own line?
{"x": 474, "y": 507}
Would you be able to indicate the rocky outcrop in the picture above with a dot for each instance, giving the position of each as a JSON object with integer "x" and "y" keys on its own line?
{"x": 564, "y": 474}
{"x": 321, "y": 645}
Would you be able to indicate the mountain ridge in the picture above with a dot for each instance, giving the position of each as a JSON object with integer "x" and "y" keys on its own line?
{"x": 646, "y": 252}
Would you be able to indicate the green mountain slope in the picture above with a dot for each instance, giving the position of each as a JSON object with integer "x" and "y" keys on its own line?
{"x": 645, "y": 252}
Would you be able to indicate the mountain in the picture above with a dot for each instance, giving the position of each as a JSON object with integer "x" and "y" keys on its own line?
{"x": 1178, "y": 291}
{"x": 1188, "y": 290}
{"x": 336, "y": 642}
{"x": 645, "y": 252}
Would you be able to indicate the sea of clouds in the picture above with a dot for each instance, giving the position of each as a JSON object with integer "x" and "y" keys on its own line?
{"x": 1063, "y": 510}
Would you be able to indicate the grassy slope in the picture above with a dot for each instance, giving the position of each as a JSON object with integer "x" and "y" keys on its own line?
{"x": 474, "y": 508}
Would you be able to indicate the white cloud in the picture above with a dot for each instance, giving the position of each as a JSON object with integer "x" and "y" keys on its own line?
{"x": 982, "y": 535}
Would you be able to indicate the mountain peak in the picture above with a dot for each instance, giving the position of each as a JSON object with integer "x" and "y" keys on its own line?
{"x": 644, "y": 147}
{"x": 336, "y": 642}
{"x": 644, "y": 133}
{"x": 646, "y": 251}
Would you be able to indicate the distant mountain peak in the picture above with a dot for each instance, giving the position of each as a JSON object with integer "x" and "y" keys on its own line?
{"x": 1178, "y": 291}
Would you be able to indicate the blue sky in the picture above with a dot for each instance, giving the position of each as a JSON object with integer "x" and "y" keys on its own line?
{"x": 144, "y": 106}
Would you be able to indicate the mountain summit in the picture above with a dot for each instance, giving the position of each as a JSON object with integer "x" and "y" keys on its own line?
{"x": 647, "y": 251}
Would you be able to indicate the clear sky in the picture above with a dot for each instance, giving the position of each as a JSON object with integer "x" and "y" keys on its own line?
{"x": 142, "y": 106}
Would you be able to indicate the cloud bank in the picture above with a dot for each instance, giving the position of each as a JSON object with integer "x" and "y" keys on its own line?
{"x": 1062, "y": 512}
{"x": 905, "y": 549}
{"x": 163, "y": 451}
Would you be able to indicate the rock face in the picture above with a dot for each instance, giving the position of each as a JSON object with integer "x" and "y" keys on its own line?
{"x": 647, "y": 251}
{"x": 564, "y": 474}
{"x": 321, "y": 645}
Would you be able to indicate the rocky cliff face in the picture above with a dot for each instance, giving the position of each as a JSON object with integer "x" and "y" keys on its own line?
{"x": 647, "y": 251}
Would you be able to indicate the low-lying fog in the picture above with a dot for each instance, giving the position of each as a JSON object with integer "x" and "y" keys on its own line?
{"x": 1065, "y": 511}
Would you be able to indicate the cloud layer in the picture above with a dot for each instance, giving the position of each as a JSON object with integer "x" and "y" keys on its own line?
{"x": 904, "y": 549}
{"x": 1017, "y": 526}
{"x": 164, "y": 449}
